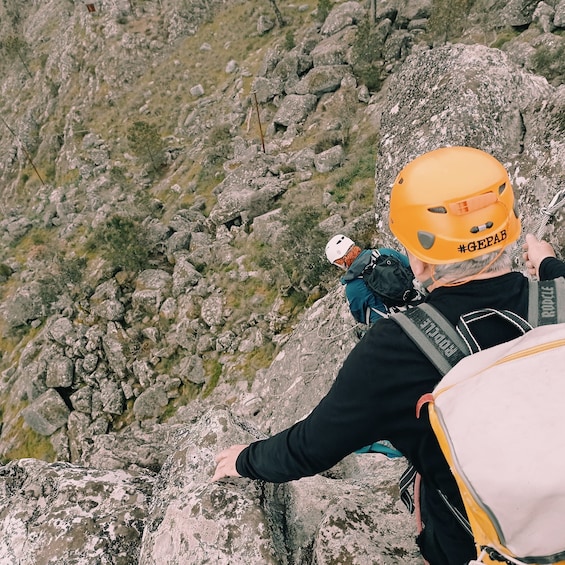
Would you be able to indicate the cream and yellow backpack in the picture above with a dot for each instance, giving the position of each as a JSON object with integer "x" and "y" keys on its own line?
{"x": 499, "y": 416}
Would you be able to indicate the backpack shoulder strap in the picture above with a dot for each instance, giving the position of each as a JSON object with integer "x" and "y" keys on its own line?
{"x": 434, "y": 335}
{"x": 546, "y": 302}
{"x": 443, "y": 344}
{"x": 366, "y": 266}
{"x": 375, "y": 254}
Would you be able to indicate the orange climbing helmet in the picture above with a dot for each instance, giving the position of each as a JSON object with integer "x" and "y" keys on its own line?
{"x": 453, "y": 204}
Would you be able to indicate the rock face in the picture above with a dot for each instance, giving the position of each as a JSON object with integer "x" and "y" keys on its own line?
{"x": 246, "y": 522}
{"x": 101, "y": 361}
{"x": 64, "y": 514}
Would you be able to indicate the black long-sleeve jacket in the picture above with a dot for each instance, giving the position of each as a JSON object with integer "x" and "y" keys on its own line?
{"x": 375, "y": 392}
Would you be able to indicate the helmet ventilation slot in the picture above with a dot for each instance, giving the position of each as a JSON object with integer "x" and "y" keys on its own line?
{"x": 474, "y": 203}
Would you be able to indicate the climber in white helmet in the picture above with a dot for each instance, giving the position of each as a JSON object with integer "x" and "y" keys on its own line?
{"x": 369, "y": 304}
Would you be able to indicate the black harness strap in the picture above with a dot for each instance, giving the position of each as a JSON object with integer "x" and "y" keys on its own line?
{"x": 434, "y": 335}
{"x": 445, "y": 345}
{"x": 547, "y": 302}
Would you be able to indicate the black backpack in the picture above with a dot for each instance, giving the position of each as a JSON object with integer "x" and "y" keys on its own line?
{"x": 388, "y": 278}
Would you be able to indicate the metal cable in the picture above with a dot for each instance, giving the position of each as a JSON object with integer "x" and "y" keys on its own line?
{"x": 539, "y": 228}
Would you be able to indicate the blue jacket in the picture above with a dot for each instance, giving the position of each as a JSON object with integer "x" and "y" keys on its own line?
{"x": 365, "y": 306}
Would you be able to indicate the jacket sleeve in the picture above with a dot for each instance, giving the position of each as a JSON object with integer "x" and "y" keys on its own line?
{"x": 335, "y": 428}
{"x": 551, "y": 268}
{"x": 364, "y": 404}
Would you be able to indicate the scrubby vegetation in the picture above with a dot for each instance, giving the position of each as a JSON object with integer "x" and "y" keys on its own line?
{"x": 549, "y": 61}
{"x": 122, "y": 242}
{"x": 91, "y": 175}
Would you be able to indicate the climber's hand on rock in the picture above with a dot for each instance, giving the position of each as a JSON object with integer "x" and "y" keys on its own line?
{"x": 225, "y": 461}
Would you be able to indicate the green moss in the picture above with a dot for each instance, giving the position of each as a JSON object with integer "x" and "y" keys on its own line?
{"x": 262, "y": 357}
{"x": 5, "y": 271}
{"x": 354, "y": 173}
{"x": 219, "y": 142}
{"x": 28, "y": 444}
{"x": 187, "y": 393}
{"x": 69, "y": 178}
{"x": 323, "y": 10}
{"x": 213, "y": 370}
{"x": 293, "y": 303}
{"x": 448, "y": 18}
{"x": 289, "y": 42}
{"x": 503, "y": 37}
{"x": 549, "y": 61}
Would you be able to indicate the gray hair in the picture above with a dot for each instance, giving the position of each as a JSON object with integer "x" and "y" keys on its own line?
{"x": 470, "y": 267}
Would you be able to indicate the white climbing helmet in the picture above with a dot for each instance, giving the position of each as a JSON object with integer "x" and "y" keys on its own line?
{"x": 337, "y": 247}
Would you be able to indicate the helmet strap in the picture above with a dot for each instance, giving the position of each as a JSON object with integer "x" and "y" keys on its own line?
{"x": 428, "y": 282}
